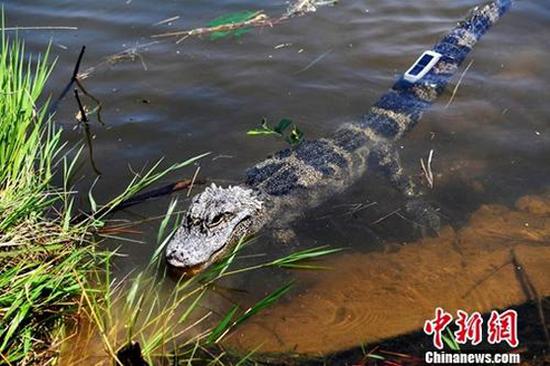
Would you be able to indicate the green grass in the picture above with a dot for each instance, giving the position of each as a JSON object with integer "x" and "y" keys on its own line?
{"x": 45, "y": 258}
{"x": 232, "y": 18}
{"x": 53, "y": 279}
{"x": 293, "y": 137}
{"x": 36, "y": 282}
{"x": 169, "y": 320}
{"x": 450, "y": 341}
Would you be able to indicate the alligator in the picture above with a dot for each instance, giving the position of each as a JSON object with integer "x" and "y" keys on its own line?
{"x": 281, "y": 186}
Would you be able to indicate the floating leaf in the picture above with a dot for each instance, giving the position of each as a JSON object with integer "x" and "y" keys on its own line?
{"x": 293, "y": 138}
{"x": 283, "y": 125}
{"x": 260, "y": 131}
{"x": 296, "y": 136}
{"x": 264, "y": 129}
{"x": 231, "y": 18}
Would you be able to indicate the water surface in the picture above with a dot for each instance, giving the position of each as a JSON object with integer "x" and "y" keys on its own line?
{"x": 491, "y": 144}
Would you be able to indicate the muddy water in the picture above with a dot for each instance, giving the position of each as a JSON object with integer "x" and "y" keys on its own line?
{"x": 366, "y": 298}
{"x": 492, "y": 144}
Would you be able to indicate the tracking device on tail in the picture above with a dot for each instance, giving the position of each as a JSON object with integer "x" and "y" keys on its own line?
{"x": 422, "y": 66}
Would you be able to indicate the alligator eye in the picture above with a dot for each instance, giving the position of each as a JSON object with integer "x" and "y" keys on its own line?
{"x": 218, "y": 219}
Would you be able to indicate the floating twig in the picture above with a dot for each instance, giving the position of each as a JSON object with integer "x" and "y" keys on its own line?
{"x": 302, "y": 7}
{"x": 316, "y": 60}
{"x": 98, "y": 103}
{"x": 168, "y": 20}
{"x": 158, "y": 192}
{"x": 142, "y": 197}
{"x": 71, "y": 81}
{"x": 485, "y": 278}
{"x": 83, "y": 118}
{"x": 53, "y": 27}
{"x": 427, "y": 169}
{"x": 354, "y": 208}
{"x": 458, "y": 84}
{"x": 526, "y": 285}
{"x": 75, "y": 79}
{"x": 530, "y": 292}
{"x": 257, "y": 19}
{"x": 396, "y": 211}
{"x": 282, "y": 45}
{"x": 127, "y": 54}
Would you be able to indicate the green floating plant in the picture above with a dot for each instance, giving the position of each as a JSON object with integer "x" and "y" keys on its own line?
{"x": 293, "y": 136}
{"x": 231, "y": 18}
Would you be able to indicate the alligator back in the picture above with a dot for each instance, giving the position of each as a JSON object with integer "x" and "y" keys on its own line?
{"x": 317, "y": 168}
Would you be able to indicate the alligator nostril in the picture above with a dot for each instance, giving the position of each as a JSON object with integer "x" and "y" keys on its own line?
{"x": 170, "y": 256}
{"x": 173, "y": 260}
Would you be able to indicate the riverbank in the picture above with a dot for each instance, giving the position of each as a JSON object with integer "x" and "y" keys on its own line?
{"x": 44, "y": 258}
{"x": 54, "y": 278}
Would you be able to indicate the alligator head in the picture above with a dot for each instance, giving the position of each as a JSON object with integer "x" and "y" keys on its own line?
{"x": 216, "y": 220}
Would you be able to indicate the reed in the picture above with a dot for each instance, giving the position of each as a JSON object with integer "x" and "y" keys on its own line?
{"x": 168, "y": 320}
{"x": 46, "y": 258}
{"x": 56, "y": 290}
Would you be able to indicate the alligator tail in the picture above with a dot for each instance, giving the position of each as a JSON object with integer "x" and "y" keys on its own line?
{"x": 402, "y": 106}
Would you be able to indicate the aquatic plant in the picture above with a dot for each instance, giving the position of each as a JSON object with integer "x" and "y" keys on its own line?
{"x": 227, "y": 20}
{"x": 293, "y": 136}
{"x": 238, "y": 23}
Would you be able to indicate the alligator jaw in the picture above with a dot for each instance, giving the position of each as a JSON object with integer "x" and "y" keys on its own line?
{"x": 191, "y": 264}
{"x": 176, "y": 269}
{"x": 195, "y": 253}
{"x": 192, "y": 247}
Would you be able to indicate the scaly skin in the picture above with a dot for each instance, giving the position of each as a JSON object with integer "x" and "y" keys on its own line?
{"x": 304, "y": 176}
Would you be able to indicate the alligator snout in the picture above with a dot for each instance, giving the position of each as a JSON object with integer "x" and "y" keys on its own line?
{"x": 174, "y": 260}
